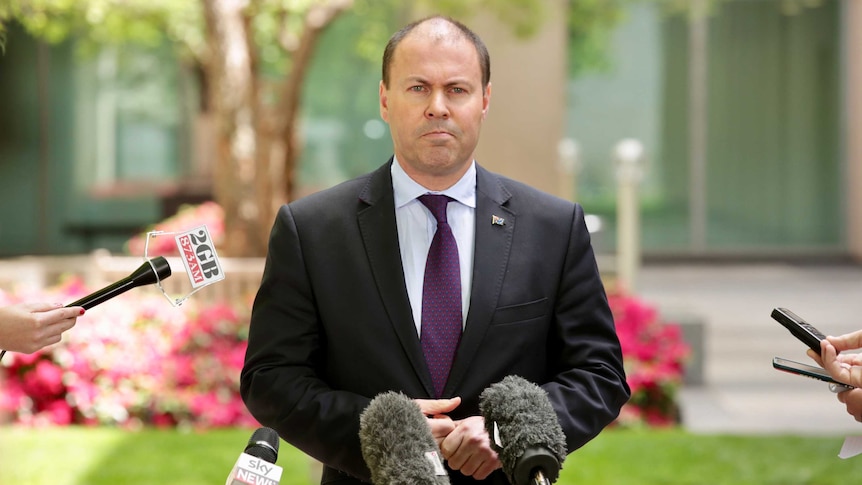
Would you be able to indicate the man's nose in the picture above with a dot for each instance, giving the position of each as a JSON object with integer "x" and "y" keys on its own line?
{"x": 437, "y": 107}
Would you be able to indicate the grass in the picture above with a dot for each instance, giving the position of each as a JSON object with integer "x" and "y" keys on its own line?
{"x": 95, "y": 456}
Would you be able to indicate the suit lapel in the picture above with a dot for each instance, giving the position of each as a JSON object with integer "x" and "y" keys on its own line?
{"x": 380, "y": 236}
{"x": 493, "y": 242}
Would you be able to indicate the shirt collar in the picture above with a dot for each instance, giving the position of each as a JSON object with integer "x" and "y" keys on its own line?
{"x": 406, "y": 189}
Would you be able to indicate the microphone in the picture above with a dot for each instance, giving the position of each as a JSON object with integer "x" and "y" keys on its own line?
{"x": 397, "y": 444}
{"x": 256, "y": 464}
{"x": 148, "y": 273}
{"x": 524, "y": 431}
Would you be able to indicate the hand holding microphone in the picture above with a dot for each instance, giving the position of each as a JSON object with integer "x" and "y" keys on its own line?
{"x": 28, "y": 327}
{"x": 148, "y": 273}
{"x": 525, "y": 431}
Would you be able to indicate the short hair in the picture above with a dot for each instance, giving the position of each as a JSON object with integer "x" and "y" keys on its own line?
{"x": 397, "y": 37}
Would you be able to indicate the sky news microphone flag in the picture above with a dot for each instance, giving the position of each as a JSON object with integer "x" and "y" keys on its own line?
{"x": 256, "y": 464}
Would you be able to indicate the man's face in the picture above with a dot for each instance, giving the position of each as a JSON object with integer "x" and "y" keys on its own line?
{"x": 435, "y": 105}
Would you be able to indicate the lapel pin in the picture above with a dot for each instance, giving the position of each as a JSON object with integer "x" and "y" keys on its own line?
{"x": 498, "y": 221}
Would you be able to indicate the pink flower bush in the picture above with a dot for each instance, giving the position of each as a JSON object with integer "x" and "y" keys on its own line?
{"x": 654, "y": 355}
{"x": 132, "y": 361}
{"x": 189, "y": 216}
{"x": 137, "y": 361}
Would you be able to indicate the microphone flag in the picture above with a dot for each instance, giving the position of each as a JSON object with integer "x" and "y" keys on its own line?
{"x": 196, "y": 249}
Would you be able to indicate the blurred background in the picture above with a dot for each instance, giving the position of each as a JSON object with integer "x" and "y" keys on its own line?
{"x": 744, "y": 110}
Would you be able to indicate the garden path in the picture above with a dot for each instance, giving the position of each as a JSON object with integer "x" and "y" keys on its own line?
{"x": 740, "y": 392}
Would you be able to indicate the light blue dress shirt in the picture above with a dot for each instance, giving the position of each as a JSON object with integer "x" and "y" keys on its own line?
{"x": 416, "y": 227}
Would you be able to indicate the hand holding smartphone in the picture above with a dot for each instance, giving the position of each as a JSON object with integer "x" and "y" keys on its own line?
{"x": 810, "y": 336}
{"x": 800, "y": 329}
{"x": 811, "y": 371}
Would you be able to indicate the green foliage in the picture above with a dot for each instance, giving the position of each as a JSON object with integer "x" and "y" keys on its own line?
{"x": 590, "y": 25}
{"x": 676, "y": 457}
{"x": 277, "y": 22}
{"x": 102, "y": 22}
{"x": 96, "y": 456}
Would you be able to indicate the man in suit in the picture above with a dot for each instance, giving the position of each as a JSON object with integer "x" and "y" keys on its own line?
{"x": 344, "y": 312}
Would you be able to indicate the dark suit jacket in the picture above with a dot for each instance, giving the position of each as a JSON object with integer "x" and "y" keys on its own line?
{"x": 332, "y": 325}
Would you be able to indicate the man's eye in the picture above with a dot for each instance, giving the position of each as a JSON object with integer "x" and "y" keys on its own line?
{"x": 417, "y": 89}
{"x": 458, "y": 90}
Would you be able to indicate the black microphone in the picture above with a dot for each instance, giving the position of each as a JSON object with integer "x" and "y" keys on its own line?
{"x": 148, "y": 273}
{"x": 263, "y": 444}
{"x": 524, "y": 431}
{"x": 256, "y": 464}
{"x": 397, "y": 444}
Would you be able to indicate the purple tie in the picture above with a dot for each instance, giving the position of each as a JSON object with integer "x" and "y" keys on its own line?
{"x": 441, "y": 296}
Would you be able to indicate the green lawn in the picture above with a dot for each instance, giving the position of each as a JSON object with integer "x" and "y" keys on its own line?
{"x": 95, "y": 456}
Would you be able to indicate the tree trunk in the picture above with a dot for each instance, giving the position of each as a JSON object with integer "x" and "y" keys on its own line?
{"x": 230, "y": 72}
{"x": 256, "y": 150}
{"x": 316, "y": 20}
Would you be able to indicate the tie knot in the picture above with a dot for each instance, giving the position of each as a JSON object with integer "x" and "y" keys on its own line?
{"x": 436, "y": 203}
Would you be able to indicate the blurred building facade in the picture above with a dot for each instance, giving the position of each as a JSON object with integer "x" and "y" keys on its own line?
{"x": 747, "y": 117}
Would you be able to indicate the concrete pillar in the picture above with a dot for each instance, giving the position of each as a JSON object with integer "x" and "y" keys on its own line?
{"x": 526, "y": 119}
{"x": 853, "y": 83}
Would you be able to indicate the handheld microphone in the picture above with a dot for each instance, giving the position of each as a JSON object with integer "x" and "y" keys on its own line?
{"x": 397, "y": 444}
{"x": 256, "y": 464}
{"x": 148, "y": 273}
{"x": 524, "y": 431}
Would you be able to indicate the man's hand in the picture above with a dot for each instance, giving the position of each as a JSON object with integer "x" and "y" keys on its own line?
{"x": 465, "y": 443}
{"x": 435, "y": 410}
{"x": 468, "y": 449}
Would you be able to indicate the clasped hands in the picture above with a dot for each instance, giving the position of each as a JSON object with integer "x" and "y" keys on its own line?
{"x": 464, "y": 443}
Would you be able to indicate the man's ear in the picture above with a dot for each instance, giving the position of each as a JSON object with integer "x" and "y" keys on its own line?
{"x": 384, "y": 102}
{"x": 486, "y": 100}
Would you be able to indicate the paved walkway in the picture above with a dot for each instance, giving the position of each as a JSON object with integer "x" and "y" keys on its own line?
{"x": 741, "y": 392}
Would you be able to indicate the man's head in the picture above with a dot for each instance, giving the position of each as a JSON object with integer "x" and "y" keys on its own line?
{"x": 435, "y": 94}
{"x": 484, "y": 57}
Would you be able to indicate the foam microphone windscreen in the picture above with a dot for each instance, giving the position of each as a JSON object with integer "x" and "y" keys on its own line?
{"x": 397, "y": 444}
{"x": 524, "y": 429}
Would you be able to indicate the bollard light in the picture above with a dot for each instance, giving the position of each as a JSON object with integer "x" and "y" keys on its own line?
{"x": 628, "y": 156}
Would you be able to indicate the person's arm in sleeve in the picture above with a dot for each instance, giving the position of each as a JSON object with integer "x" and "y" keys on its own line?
{"x": 281, "y": 380}
{"x": 588, "y": 385}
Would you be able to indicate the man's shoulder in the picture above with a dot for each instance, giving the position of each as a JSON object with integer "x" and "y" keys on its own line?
{"x": 520, "y": 193}
{"x": 343, "y": 190}
{"x": 350, "y": 191}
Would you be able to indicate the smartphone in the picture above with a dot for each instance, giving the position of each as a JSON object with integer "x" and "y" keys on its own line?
{"x": 800, "y": 329}
{"x": 811, "y": 371}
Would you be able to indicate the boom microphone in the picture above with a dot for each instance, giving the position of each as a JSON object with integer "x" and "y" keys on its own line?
{"x": 148, "y": 273}
{"x": 524, "y": 431}
{"x": 256, "y": 464}
{"x": 397, "y": 444}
